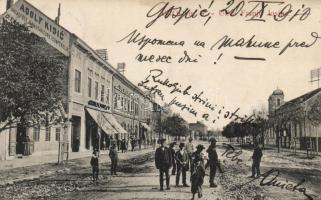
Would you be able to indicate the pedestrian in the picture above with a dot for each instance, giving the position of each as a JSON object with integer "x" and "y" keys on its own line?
{"x": 104, "y": 144}
{"x": 190, "y": 149}
{"x": 27, "y": 142}
{"x": 94, "y": 162}
{"x": 171, "y": 148}
{"x": 108, "y": 138}
{"x": 140, "y": 143}
{"x": 163, "y": 161}
{"x": 118, "y": 144}
{"x": 123, "y": 145}
{"x": 197, "y": 171}
{"x": 182, "y": 161}
{"x": 213, "y": 161}
{"x": 256, "y": 157}
{"x": 154, "y": 143}
{"x": 113, "y": 154}
{"x": 132, "y": 142}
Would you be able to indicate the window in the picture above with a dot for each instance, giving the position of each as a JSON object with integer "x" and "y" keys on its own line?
{"x": 107, "y": 96}
{"x": 96, "y": 90}
{"x": 89, "y": 87}
{"x": 102, "y": 93}
{"x": 36, "y": 133}
{"x": 77, "y": 81}
{"x": 115, "y": 101}
{"x": 58, "y": 131}
{"x": 48, "y": 133}
{"x": 278, "y": 102}
{"x": 122, "y": 102}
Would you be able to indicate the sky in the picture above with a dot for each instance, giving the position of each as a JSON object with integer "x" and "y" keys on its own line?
{"x": 232, "y": 83}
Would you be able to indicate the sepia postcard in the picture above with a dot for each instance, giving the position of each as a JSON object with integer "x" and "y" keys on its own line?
{"x": 160, "y": 99}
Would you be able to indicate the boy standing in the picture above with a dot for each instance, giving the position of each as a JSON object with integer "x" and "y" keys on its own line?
{"x": 94, "y": 162}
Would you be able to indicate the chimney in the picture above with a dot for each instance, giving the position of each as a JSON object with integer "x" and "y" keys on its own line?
{"x": 9, "y": 4}
{"x": 121, "y": 67}
{"x": 102, "y": 53}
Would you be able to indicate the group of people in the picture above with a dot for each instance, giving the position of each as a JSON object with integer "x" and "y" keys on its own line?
{"x": 113, "y": 155}
{"x": 186, "y": 159}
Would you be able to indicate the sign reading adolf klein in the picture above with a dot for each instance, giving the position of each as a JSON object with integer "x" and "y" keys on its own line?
{"x": 24, "y": 13}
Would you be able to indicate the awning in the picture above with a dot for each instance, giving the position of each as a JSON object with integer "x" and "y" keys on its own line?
{"x": 146, "y": 126}
{"x": 101, "y": 121}
{"x": 112, "y": 120}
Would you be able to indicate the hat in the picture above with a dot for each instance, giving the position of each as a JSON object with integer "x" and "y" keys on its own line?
{"x": 190, "y": 139}
{"x": 162, "y": 140}
{"x": 182, "y": 144}
{"x": 213, "y": 140}
{"x": 200, "y": 146}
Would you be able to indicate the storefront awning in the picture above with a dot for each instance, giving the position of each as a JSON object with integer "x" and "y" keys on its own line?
{"x": 146, "y": 126}
{"x": 101, "y": 121}
{"x": 112, "y": 120}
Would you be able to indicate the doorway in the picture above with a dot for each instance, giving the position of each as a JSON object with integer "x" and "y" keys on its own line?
{"x": 75, "y": 138}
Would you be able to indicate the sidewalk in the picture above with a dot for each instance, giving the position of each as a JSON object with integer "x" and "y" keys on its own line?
{"x": 37, "y": 166}
{"x": 48, "y": 157}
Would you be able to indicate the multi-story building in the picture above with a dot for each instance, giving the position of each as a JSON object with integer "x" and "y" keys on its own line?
{"x": 99, "y": 101}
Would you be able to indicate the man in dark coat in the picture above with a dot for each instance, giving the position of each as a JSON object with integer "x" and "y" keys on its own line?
{"x": 256, "y": 157}
{"x": 197, "y": 171}
{"x": 171, "y": 148}
{"x": 163, "y": 161}
{"x": 213, "y": 161}
{"x": 182, "y": 161}
{"x": 113, "y": 154}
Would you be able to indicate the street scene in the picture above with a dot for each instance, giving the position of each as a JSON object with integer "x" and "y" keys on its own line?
{"x": 114, "y": 100}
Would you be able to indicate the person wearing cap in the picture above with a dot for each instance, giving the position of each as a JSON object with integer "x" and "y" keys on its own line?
{"x": 182, "y": 160}
{"x": 94, "y": 162}
{"x": 213, "y": 161}
{"x": 163, "y": 161}
{"x": 171, "y": 148}
{"x": 256, "y": 157}
{"x": 197, "y": 171}
{"x": 113, "y": 154}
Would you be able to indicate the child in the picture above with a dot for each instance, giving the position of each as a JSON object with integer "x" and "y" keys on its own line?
{"x": 94, "y": 164}
{"x": 197, "y": 172}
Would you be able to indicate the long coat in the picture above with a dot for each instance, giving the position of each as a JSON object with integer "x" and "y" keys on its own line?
{"x": 257, "y": 154}
{"x": 163, "y": 158}
{"x": 197, "y": 173}
{"x": 212, "y": 156}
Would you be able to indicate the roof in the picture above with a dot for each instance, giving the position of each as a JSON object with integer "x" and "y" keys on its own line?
{"x": 299, "y": 99}
{"x": 277, "y": 92}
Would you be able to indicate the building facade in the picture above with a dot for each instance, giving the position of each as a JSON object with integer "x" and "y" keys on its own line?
{"x": 99, "y": 101}
{"x": 289, "y": 124}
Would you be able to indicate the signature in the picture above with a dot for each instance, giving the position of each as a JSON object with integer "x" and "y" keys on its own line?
{"x": 270, "y": 178}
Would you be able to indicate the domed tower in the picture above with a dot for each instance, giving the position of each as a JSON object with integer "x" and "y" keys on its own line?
{"x": 276, "y": 100}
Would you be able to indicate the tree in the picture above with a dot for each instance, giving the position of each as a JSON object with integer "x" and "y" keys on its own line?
{"x": 314, "y": 112}
{"x": 175, "y": 126}
{"x": 31, "y": 82}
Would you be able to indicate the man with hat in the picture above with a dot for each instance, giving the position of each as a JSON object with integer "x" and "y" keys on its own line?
{"x": 171, "y": 148}
{"x": 182, "y": 161}
{"x": 163, "y": 161}
{"x": 197, "y": 171}
{"x": 257, "y": 155}
{"x": 113, "y": 154}
{"x": 213, "y": 161}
